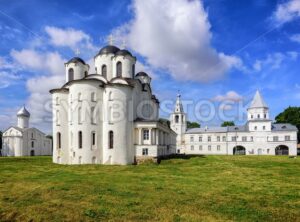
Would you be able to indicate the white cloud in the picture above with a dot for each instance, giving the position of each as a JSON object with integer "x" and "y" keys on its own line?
{"x": 286, "y": 12}
{"x": 175, "y": 35}
{"x": 274, "y": 60}
{"x": 224, "y": 106}
{"x": 68, "y": 37}
{"x": 295, "y": 38}
{"x": 8, "y": 78}
{"x": 229, "y": 96}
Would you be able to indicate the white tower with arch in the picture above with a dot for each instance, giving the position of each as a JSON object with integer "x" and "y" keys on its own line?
{"x": 23, "y": 118}
{"x": 178, "y": 123}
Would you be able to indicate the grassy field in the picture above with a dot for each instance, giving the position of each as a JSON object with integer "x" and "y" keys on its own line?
{"x": 210, "y": 188}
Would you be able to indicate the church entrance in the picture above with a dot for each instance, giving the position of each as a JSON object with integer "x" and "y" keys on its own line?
{"x": 281, "y": 150}
{"x": 239, "y": 150}
{"x": 32, "y": 153}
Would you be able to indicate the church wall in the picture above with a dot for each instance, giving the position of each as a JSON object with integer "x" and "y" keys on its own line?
{"x": 60, "y": 125}
{"x": 127, "y": 62}
{"x": 91, "y": 97}
{"x": 79, "y": 70}
{"x": 105, "y": 59}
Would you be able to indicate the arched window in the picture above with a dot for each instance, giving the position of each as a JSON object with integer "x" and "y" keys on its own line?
{"x": 79, "y": 115}
{"x": 85, "y": 74}
{"x": 104, "y": 71}
{"x": 176, "y": 119}
{"x": 119, "y": 69}
{"x": 58, "y": 145}
{"x": 32, "y": 144}
{"x": 79, "y": 139}
{"x": 258, "y": 116}
{"x": 133, "y": 70}
{"x": 71, "y": 74}
{"x": 93, "y": 138}
{"x": 111, "y": 139}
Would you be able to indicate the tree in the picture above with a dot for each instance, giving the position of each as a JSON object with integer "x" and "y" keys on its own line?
{"x": 191, "y": 125}
{"x": 228, "y": 123}
{"x": 290, "y": 115}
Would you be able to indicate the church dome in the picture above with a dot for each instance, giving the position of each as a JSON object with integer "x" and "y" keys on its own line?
{"x": 124, "y": 52}
{"x": 108, "y": 49}
{"x": 141, "y": 74}
{"x": 23, "y": 112}
{"x": 76, "y": 60}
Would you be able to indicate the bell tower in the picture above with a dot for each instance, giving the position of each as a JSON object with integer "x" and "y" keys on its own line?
{"x": 178, "y": 123}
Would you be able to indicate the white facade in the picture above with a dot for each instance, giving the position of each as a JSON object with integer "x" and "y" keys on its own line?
{"x": 110, "y": 116}
{"x": 21, "y": 140}
{"x": 259, "y": 136}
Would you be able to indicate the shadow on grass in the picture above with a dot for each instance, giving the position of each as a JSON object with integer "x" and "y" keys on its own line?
{"x": 179, "y": 156}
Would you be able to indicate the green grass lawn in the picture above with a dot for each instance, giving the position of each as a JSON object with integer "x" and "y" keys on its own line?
{"x": 210, "y": 188}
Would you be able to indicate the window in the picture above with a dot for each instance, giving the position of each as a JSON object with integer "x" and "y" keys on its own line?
{"x": 192, "y": 147}
{"x": 265, "y": 116}
{"x": 218, "y": 148}
{"x": 200, "y": 147}
{"x": 251, "y": 138}
{"x": 104, "y": 71}
{"x": 79, "y": 97}
{"x": 32, "y": 144}
{"x": 176, "y": 119}
{"x": 255, "y": 128}
{"x": 119, "y": 69}
{"x": 192, "y": 139}
{"x": 79, "y": 115}
{"x": 111, "y": 139}
{"x": 200, "y": 138}
{"x": 93, "y": 138}
{"x": 275, "y": 138}
{"x": 258, "y": 116}
{"x": 85, "y": 74}
{"x": 58, "y": 145}
{"x": 146, "y": 134}
{"x": 79, "y": 139}
{"x": 264, "y": 127}
{"x": 31, "y": 135}
{"x": 93, "y": 119}
{"x": 209, "y": 138}
{"x": 209, "y": 148}
{"x": 287, "y": 138}
{"x": 145, "y": 152}
{"x": 233, "y": 138}
{"x": 218, "y": 138}
{"x": 71, "y": 74}
{"x": 244, "y": 139}
{"x": 133, "y": 70}
{"x": 251, "y": 116}
{"x": 93, "y": 97}
{"x": 224, "y": 138}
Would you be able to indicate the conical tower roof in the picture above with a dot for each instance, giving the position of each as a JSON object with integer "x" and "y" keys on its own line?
{"x": 258, "y": 101}
{"x": 178, "y": 105}
{"x": 23, "y": 112}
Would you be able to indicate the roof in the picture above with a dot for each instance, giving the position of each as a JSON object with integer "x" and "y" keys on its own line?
{"x": 108, "y": 49}
{"x": 76, "y": 60}
{"x": 124, "y": 52}
{"x": 258, "y": 101}
{"x": 283, "y": 127}
{"x": 141, "y": 74}
{"x": 242, "y": 128}
{"x": 178, "y": 105}
{"x": 23, "y": 112}
{"x": 207, "y": 129}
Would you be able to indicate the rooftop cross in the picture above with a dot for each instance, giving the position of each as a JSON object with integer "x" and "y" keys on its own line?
{"x": 77, "y": 52}
{"x": 110, "y": 39}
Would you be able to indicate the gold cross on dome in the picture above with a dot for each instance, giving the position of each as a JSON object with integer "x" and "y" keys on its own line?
{"x": 77, "y": 52}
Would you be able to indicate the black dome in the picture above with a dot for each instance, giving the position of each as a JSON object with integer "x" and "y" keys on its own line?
{"x": 124, "y": 52}
{"x": 141, "y": 74}
{"x": 108, "y": 49}
{"x": 75, "y": 60}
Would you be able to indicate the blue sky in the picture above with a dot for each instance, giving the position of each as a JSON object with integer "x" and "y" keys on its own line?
{"x": 216, "y": 50}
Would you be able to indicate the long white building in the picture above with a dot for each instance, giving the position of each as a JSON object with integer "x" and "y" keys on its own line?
{"x": 259, "y": 136}
{"x": 21, "y": 140}
{"x": 108, "y": 115}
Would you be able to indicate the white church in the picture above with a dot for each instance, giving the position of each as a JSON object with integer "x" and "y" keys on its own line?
{"x": 259, "y": 136}
{"x": 21, "y": 140}
{"x": 108, "y": 116}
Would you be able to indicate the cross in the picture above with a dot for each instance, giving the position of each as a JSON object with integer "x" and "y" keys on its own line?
{"x": 178, "y": 93}
{"x": 124, "y": 44}
{"x": 77, "y": 52}
{"x": 110, "y": 39}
